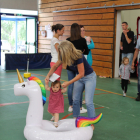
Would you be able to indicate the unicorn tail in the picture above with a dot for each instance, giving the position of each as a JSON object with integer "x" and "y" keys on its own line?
{"x": 85, "y": 121}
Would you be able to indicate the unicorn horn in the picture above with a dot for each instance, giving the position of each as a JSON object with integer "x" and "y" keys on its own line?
{"x": 19, "y": 77}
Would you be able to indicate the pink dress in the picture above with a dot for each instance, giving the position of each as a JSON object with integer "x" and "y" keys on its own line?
{"x": 56, "y": 102}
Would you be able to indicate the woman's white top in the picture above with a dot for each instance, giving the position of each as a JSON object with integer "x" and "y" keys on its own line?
{"x": 54, "y": 53}
{"x": 87, "y": 44}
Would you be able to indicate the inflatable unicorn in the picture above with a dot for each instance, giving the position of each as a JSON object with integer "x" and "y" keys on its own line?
{"x": 38, "y": 129}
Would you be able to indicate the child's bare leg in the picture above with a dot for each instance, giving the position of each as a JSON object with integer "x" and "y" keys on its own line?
{"x": 56, "y": 117}
{"x": 52, "y": 119}
{"x": 51, "y": 113}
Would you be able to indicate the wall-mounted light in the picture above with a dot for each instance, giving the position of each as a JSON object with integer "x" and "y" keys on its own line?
{"x": 113, "y": 5}
{"x": 105, "y": 6}
{"x": 132, "y": 3}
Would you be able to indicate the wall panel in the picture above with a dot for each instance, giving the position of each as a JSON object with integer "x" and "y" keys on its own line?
{"x": 98, "y": 23}
{"x": 19, "y": 4}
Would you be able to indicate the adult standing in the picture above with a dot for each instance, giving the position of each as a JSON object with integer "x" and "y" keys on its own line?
{"x": 59, "y": 30}
{"x": 127, "y": 43}
{"x": 80, "y": 44}
{"x": 134, "y": 58}
{"x": 84, "y": 80}
{"x": 90, "y": 45}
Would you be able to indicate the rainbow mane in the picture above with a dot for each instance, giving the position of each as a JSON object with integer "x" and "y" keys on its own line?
{"x": 41, "y": 86}
{"x": 85, "y": 121}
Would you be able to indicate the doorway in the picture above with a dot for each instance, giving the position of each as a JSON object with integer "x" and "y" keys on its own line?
{"x": 18, "y": 34}
{"x": 130, "y": 16}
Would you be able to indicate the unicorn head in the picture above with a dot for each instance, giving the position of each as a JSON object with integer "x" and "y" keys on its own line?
{"x": 23, "y": 88}
{"x": 32, "y": 84}
{"x": 32, "y": 90}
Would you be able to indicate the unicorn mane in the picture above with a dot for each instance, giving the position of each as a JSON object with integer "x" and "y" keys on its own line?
{"x": 41, "y": 86}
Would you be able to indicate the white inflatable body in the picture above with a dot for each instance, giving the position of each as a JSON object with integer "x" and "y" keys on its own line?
{"x": 38, "y": 129}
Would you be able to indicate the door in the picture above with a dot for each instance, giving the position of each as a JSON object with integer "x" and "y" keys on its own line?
{"x": 31, "y": 40}
{"x": 138, "y": 27}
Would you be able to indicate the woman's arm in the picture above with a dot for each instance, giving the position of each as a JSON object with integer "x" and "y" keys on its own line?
{"x": 56, "y": 46}
{"x": 131, "y": 70}
{"x": 52, "y": 70}
{"x": 63, "y": 90}
{"x": 91, "y": 45}
{"x": 81, "y": 71}
{"x": 135, "y": 56}
{"x": 47, "y": 86}
{"x": 86, "y": 50}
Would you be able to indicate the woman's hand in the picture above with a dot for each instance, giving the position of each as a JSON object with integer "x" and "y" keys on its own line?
{"x": 47, "y": 79}
{"x": 65, "y": 84}
{"x": 88, "y": 38}
{"x": 132, "y": 66}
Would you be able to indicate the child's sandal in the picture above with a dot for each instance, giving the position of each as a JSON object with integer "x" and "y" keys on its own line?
{"x": 52, "y": 119}
{"x": 55, "y": 124}
{"x": 84, "y": 102}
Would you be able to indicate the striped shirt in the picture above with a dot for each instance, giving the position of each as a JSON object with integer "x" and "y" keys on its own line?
{"x": 124, "y": 71}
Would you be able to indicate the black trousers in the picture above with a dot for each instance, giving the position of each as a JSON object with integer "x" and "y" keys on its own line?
{"x": 124, "y": 85}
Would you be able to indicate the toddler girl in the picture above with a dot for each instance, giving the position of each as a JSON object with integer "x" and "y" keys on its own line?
{"x": 56, "y": 100}
{"x": 124, "y": 72}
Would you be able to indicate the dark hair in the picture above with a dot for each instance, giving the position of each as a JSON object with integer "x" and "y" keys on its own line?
{"x": 57, "y": 27}
{"x": 75, "y": 32}
{"x": 129, "y": 29}
{"x": 56, "y": 82}
{"x": 81, "y": 26}
{"x": 125, "y": 23}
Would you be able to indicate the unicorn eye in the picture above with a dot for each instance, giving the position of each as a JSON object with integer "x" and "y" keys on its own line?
{"x": 23, "y": 85}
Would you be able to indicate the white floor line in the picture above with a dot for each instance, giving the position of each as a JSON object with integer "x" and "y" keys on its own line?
{"x": 9, "y": 81}
{"x": 117, "y": 111}
{"x": 7, "y": 89}
{"x": 102, "y": 106}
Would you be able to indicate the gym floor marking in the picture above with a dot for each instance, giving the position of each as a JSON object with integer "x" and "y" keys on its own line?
{"x": 6, "y": 85}
{"x": 8, "y": 81}
{"x": 108, "y": 92}
{"x": 115, "y": 93}
{"x": 5, "y": 104}
{"x": 72, "y": 113}
{"x": 7, "y": 89}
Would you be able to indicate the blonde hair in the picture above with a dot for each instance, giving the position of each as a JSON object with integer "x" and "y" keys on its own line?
{"x": 67, "y": 53}
{"x": 124, "y": 59}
